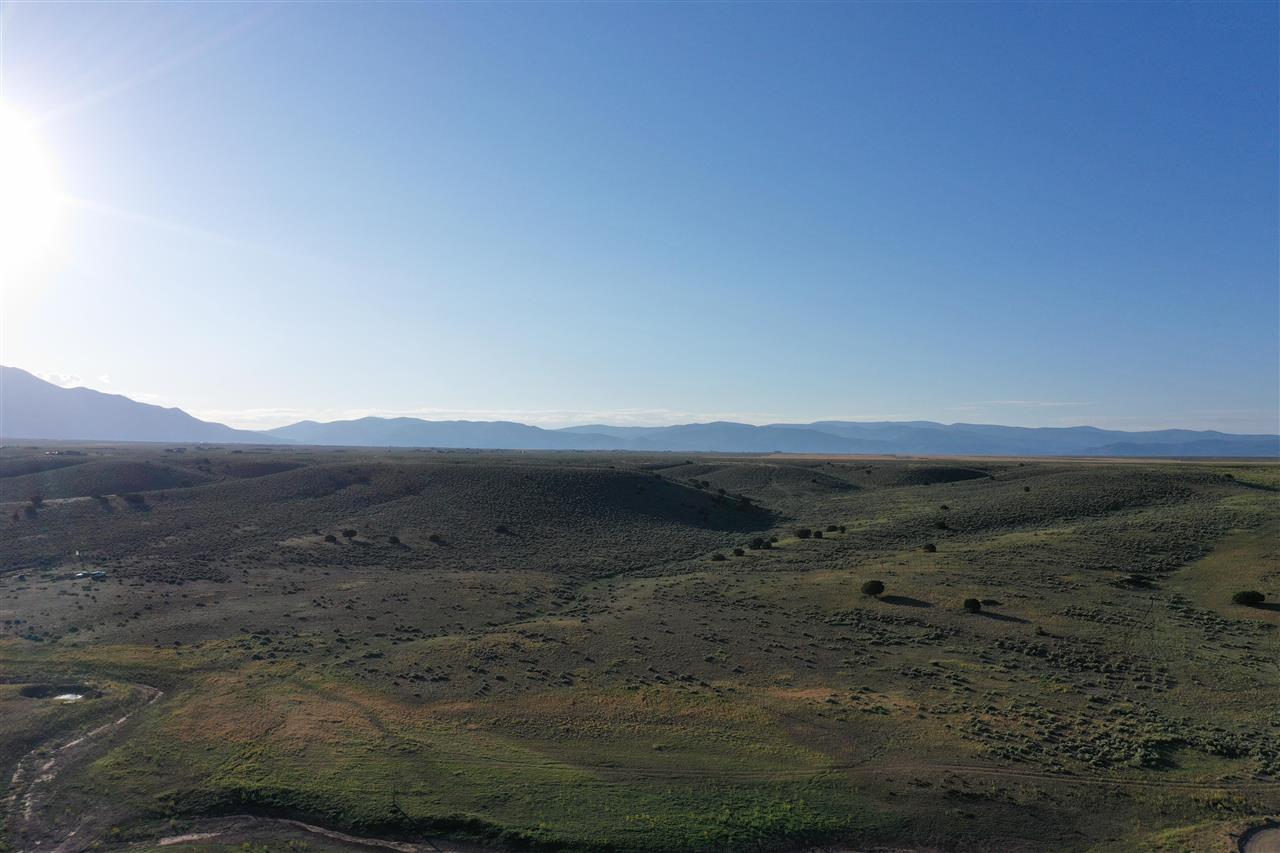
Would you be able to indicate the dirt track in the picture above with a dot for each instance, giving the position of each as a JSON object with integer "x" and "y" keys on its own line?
{"x": 1263, "y": 839}
{"x": 243, "y": 828}
{"x": 37, "y": 770}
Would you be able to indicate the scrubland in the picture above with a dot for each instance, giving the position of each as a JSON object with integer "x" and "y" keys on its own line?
{"x": 634, "y": 652}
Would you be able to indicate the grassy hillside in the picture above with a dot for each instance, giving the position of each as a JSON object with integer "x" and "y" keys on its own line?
{"x": 566, "y": 651}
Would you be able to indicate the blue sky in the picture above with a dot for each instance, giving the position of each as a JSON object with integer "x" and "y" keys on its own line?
{"x": 1036, "y": 214}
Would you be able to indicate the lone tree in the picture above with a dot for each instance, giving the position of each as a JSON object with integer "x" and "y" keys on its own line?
{"x": 716, "y": 558}
{"x": 972, "y": 605}
{"x": 1249, "y": 597}
{"x": 803, "y": 533}
{"x": 873, "y": 588}
{"x": 930, "y": 548}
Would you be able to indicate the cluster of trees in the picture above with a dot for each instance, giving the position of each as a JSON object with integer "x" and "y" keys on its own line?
{"x": 351, "y": 533}
{"x": 807, "y": 533}
{"x": 875, "y": 588}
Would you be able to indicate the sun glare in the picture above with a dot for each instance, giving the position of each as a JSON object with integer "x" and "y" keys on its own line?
{"x": 29, "y": 201}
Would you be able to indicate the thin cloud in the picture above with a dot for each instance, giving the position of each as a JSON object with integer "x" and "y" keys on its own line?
{"x": 1031, "y": 404}
{"x": 1232, "y": 423}
{"x": 66, "y": 380}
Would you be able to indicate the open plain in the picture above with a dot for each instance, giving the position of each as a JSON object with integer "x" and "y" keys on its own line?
{"x": 331, "y": 649}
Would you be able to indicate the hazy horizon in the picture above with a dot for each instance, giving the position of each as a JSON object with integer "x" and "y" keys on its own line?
{"x": 272, "y": 419}
{"x": 1036, "y": 215}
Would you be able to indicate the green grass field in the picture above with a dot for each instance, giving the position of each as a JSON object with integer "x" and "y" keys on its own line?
{"x": 541, "y": 651}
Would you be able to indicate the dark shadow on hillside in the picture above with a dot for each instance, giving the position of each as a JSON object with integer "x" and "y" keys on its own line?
{"x": 1003, "y": 617}
{"x": 668, "y": 500}
{"x": 904, "y": 601}
{"x": 1249, "y": 484}
{"x": 1273, "y": 606}
{"x": 1242, "y": 843}
{"x": 928, "y": 475}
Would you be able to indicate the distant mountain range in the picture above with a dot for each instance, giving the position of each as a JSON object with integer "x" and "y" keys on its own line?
{"x": 915, "y": 438}
{"x": 31, "y": 408}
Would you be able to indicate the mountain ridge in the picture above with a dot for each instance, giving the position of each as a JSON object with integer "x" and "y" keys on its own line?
{"x": 844, "y": 437}
{"x": 31, "y": 408}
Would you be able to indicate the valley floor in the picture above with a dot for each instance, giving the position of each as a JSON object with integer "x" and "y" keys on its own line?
{"x": 327, "y": 650}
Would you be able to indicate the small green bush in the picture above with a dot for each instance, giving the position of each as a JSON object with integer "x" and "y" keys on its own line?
{"x": 1249, "y": 597}
{"x": 803, "y": 533}
{"x": 873, "y": 588}
{"x": 972, "y": 605}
